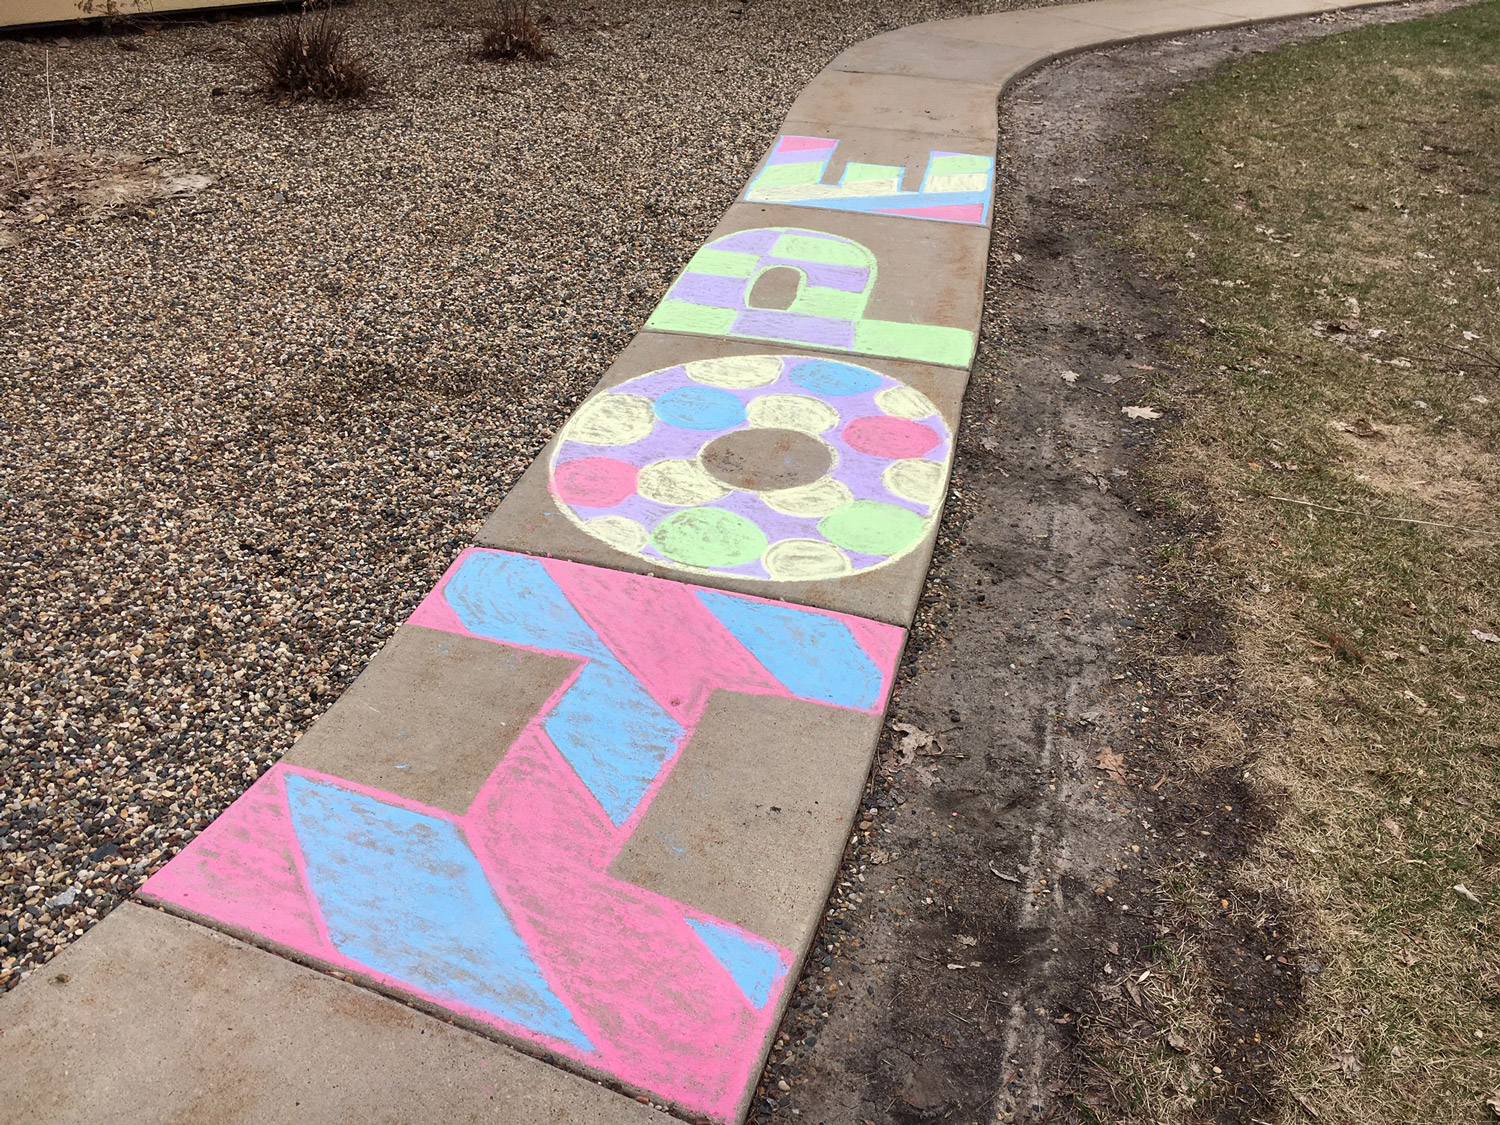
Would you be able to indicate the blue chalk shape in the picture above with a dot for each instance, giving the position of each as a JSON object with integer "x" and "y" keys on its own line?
{"x": 829, "y": 377}
{"x": 755, "y": 965}
{"x": 512, "y": 599}
{"x": 614, "y": 735}
{"x": 700, "y": 408}
{"x": 402, "y": 894}
{"x": 813, "y": 655}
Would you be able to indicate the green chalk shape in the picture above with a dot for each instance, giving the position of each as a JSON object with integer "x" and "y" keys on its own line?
{"x": 680, "y": 316}
{"x": 788, "y": 175}
{"x": 829, "y": 251}
{"x": 724, "y": 263}
{"x": 709, "y": 537}
{"x": 926, "y": 343}
{"x": 871, "y": 527}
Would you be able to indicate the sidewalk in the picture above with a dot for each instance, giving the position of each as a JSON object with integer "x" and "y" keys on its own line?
{"x": 589, "y": 802}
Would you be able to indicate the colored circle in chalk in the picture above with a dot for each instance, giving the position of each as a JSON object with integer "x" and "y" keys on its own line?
{"x": 594, "y": 482}
{"x": 620, "y": 532}
{"x": 805, "y": 560}
{"x": 921, "y": 482}
{"x": 870, "y": 527}
{"x": 883, "y": 436}
{"x": 782, "y": 468}
{"x": 709, "y": 537}
{"x": 830, "y": 377}
{"x": 700, "y": 408}
{"x": 735, "y": 371}
{"x": 611, "y": 420}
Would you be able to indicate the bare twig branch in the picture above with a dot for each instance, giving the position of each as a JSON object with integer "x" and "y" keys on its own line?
{"x": 1373, "y": 516}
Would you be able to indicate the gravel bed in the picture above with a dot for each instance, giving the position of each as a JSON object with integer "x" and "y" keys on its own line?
{"x": 243, "y": 430}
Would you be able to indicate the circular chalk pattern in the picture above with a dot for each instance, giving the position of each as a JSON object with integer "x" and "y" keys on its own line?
{"x": 777, "y": 467}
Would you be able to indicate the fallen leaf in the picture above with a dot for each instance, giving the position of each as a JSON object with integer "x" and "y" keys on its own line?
{"x": 877, "y": 856}
{"x": 965, "y": 940}
{"x": 1148, "y": 413}
{"x": 1348, "y": 1063}
{"x": 1177, "y": 1041}
{"x": 915, "y": 740}
{"x": 925, "y": 774}
{"x": 1494, "y": 1103}
{"x": 1485, "y": 638}
{"x": 1113, "y": 763}
{"x": 1464, "y": 892}
{"x": 1111, "y": 379}
{"x": 1360, "y": 427}
{"x": 1070, "y": 377}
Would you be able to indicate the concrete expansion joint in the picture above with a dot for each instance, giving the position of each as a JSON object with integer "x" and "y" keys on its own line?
{"x": 591, "y": 799}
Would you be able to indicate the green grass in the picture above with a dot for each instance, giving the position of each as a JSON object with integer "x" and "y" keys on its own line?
{"x": 1331, "y": 213}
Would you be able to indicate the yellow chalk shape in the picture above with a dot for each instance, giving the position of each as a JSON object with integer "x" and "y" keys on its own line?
{"x": 903, "y": 402}
{"x": 738, "y": 371}
{"x": 679, "y": 483}
{"x": 804, "y": 559}
{"x": 611, "y": 420}
{"x": 620, "y": 532}
{"x": 792, "y": 412}
{"x": 919, "y": 481}
{"x": 809, "y": 500}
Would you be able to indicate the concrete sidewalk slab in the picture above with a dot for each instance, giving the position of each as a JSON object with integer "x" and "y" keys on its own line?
{"x": 156, "y": 1020}
{"x": 877, "y": 172}
{"x": 1051, "y": 31}
{"x": 848, "y": 528}
{"x": 915, "y": 53}
{"x": 852, "y": 100}
{"x": 430, "y": 715}
{"x": 594, "y": 900}
{"x": 756, "y": 837}
{"x": 862, "y": 285}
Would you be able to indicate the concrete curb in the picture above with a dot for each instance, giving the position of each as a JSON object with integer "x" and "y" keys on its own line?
{"x": 590, "y": 800}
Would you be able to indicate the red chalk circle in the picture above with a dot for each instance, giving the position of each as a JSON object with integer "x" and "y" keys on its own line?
{"x": 890, "y": 437}
{"x": 594, "y": 482}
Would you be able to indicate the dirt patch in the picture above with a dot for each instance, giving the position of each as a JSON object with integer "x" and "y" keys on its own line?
{"x": 1003, "y": 887}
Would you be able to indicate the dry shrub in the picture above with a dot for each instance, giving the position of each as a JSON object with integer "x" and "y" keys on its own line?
{"x": 514, "y": 34}
{"x": 310, "y": 56}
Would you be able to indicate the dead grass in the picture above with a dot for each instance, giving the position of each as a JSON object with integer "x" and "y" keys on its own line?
{"x": 1331, "y": 212}
{"x": 514, "y": 33}
{"x": 309, "y": 55}
{"x": 43, "y": 180}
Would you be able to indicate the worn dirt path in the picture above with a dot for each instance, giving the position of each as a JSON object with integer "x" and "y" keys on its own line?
{"x": 997, "y": 892}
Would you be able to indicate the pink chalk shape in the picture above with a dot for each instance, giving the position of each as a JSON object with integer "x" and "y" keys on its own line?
{"x": 890, "y": 437}
{"x": 882, "y": 644}
{"x": 662, "y": 1012}
{"x": 664, "y": 636}
{"x": 952, "y": 212}
{"x": 594, "y": 482}
{"x": 797, "y": 144}
{"x": 244, "y": 870}
{"x": 434, "y": 612}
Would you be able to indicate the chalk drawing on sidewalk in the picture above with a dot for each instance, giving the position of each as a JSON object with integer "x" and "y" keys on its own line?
{"x": 506, "y": 914}
{"x": 836, "y": 279}
{"x": 773, "y": 467}
{"x": 956, "y": 187}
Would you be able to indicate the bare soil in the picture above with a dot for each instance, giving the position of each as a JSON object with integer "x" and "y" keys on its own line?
{"x": 1011, "y": 876}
